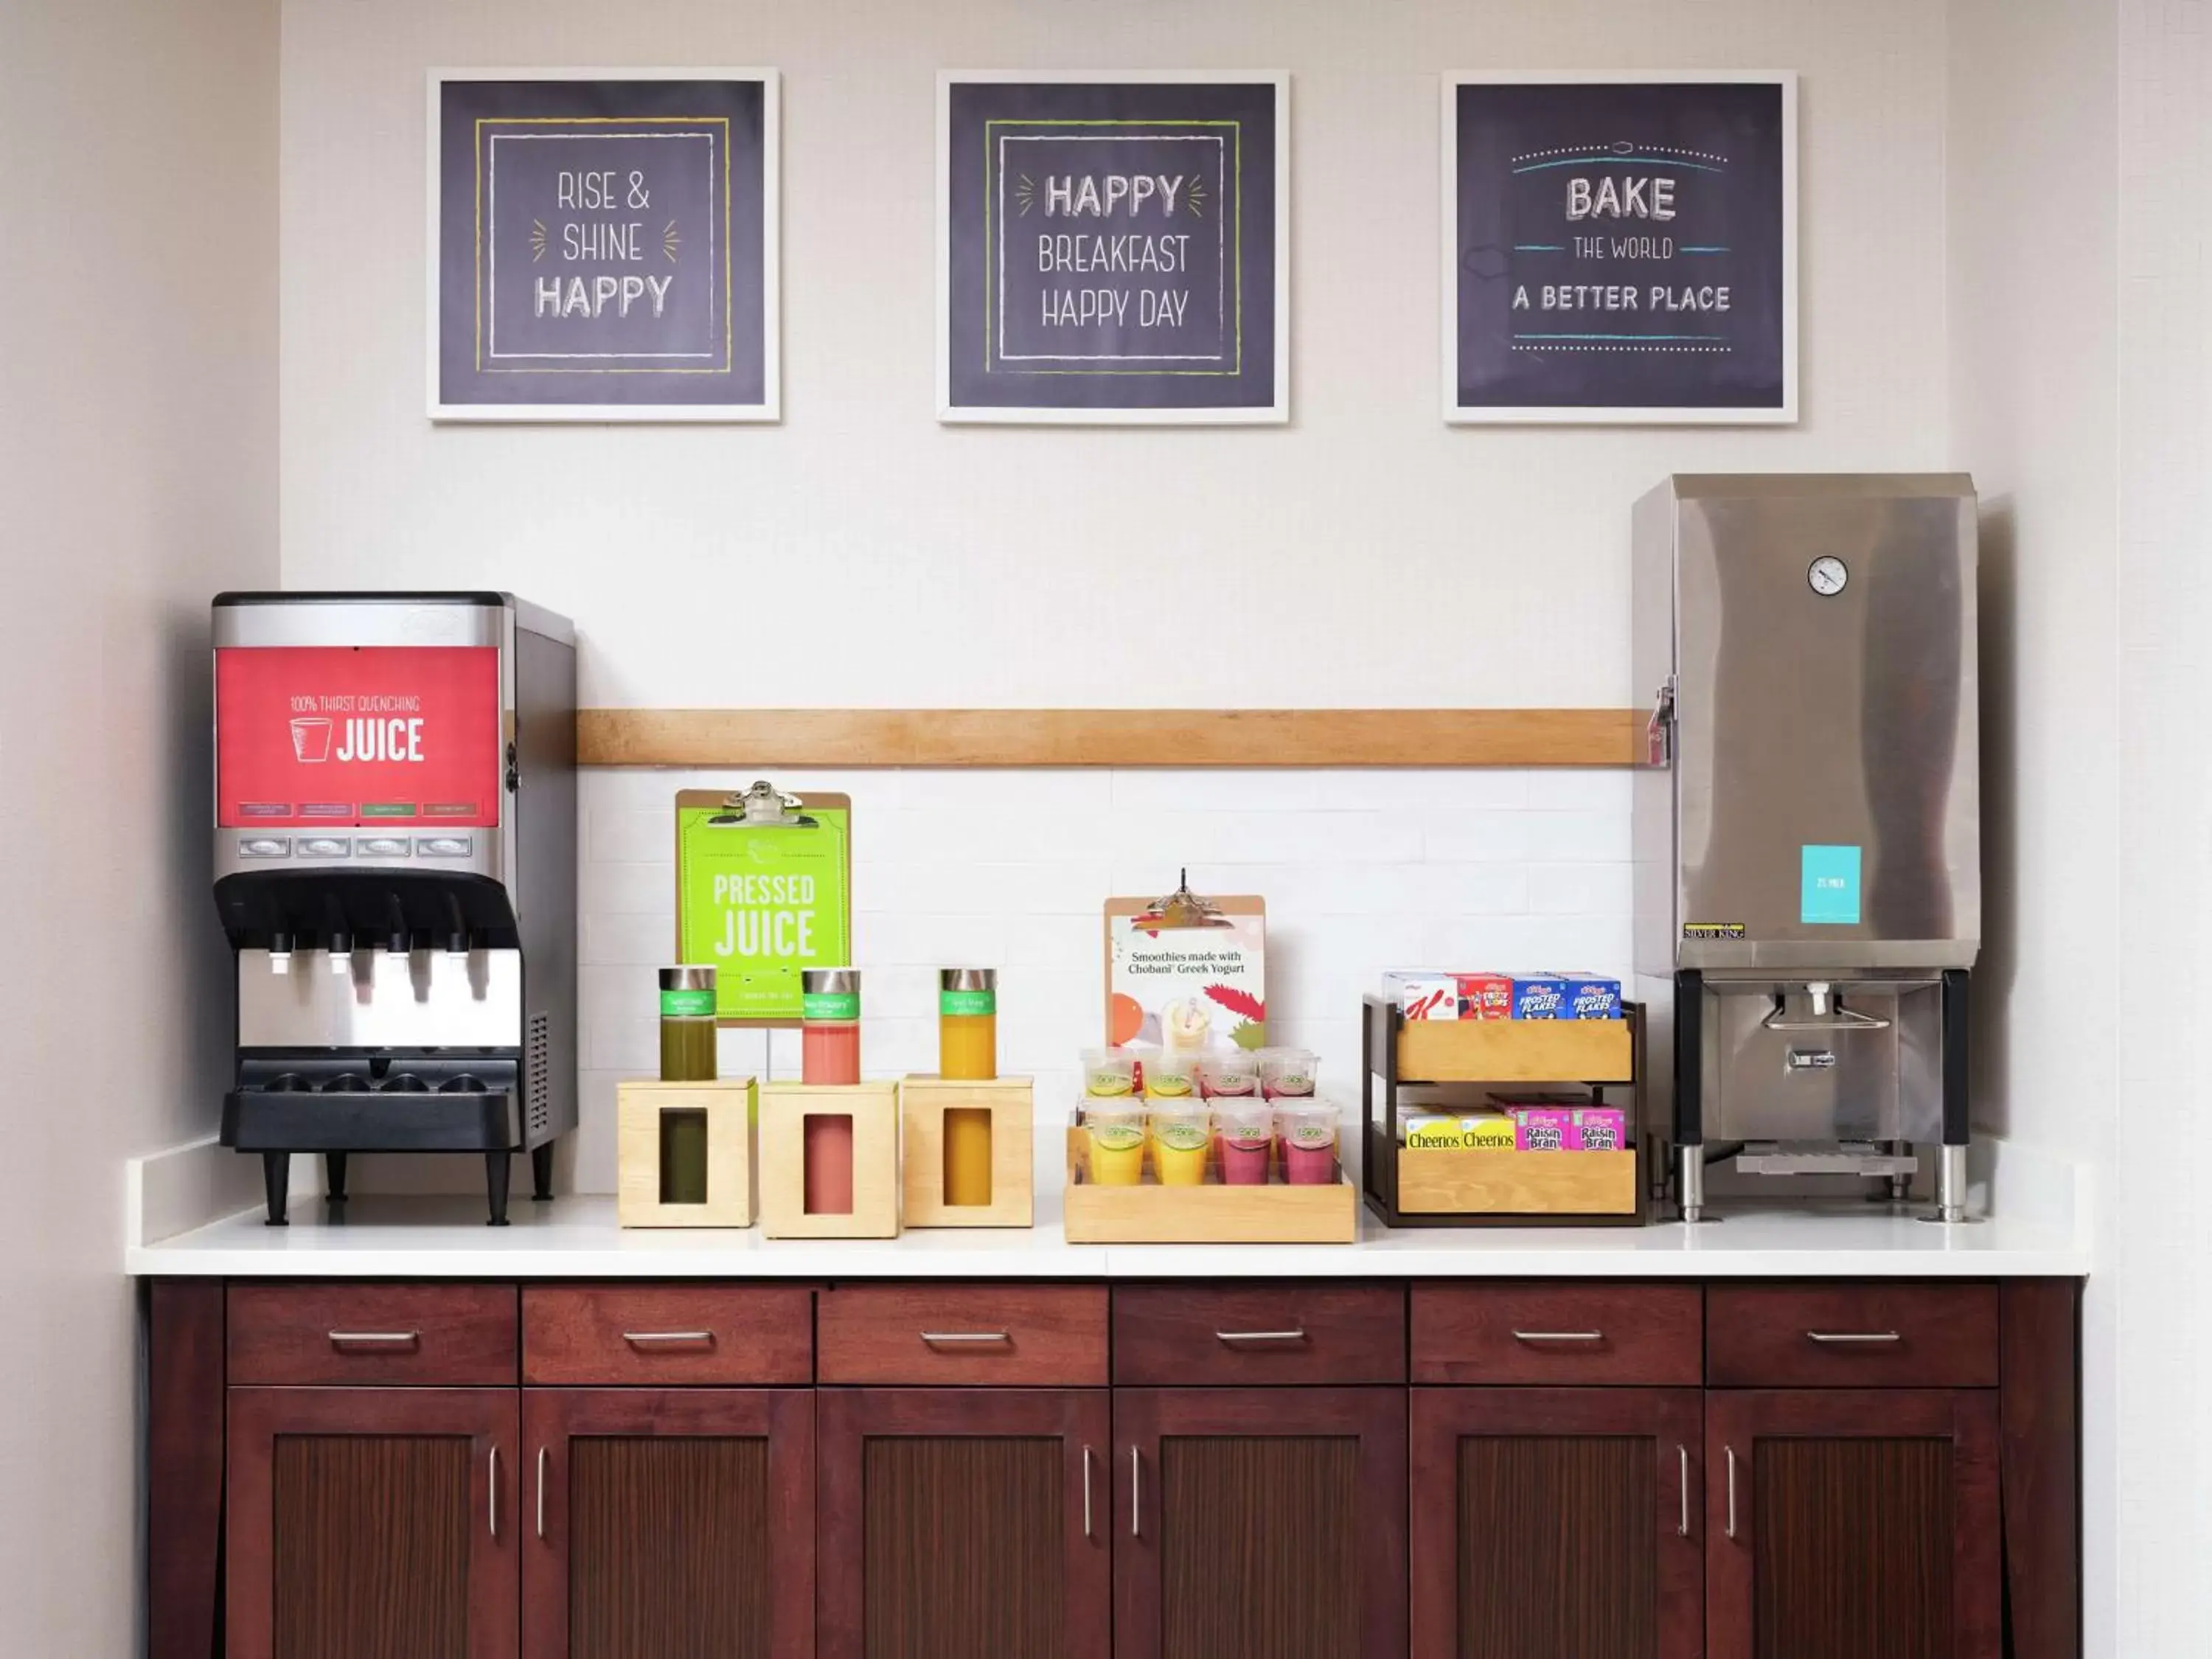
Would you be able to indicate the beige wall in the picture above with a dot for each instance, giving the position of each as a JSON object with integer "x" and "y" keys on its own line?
{"x": 138, "y": 474}
{"x": 1367, "y": 555}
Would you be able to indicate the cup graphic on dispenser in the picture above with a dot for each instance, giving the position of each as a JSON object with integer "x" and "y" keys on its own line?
{"x": 310, "y": 738}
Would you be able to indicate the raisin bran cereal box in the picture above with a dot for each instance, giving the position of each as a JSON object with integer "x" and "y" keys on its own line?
{"x": 1485, "y": 996}
{"x": 1597, "y": 1129}
{"x": 1588, "y": 997}
{"x": 1539, "y": 996}
{"x": 1542, "y": 1128}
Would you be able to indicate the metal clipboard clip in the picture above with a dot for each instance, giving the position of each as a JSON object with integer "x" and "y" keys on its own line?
{"x": 763, "y": 806}
{"x": 1179, "y": 909}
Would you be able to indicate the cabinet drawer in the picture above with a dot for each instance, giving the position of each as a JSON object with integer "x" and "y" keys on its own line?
{"x": 1178, "y": 1334}
{"x": 1822, "y": 1336}
{"x": 1559, "y": 1333}
{"x": 964, "y": 1334}
{"x": 664, "y": 1335}
{"x": 444, "y": 1334}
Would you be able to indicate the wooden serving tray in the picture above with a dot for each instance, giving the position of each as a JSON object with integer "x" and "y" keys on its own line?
{"x": 1467, "y": 1181}
{"x": 1151, "y": 1214}
{"x": 1516, "y": 1051}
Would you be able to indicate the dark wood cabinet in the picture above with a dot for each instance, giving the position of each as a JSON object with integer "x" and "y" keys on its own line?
{"x": 956, "y": 1523}
{"x": 372, "y": 1523}
{"x": 668, "y": 1524}
{"x": 1260, "y": 1523}
{"x": 1558, "y": 1523}
{"x": 1853, "y": 1524}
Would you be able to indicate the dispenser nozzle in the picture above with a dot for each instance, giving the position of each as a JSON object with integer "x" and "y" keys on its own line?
{"x": 280, "y": 953}
{"x": 1816, "y": 992}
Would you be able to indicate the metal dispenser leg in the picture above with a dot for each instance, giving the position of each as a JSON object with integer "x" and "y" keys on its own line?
{"x": 334, "y": 1177}
{"x": 1951, "y": 1163}
{"x": 497, "y": 1171}
{"x": 541, "y": 1173}
{"x": 1689, "y": 1110}
{"x": 277, "y": 1182}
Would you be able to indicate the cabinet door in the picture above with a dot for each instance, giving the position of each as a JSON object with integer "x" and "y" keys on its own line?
{"x": 1853, "y": 1524}
{"x": 1558, "y": 1523}
{"x": 1260, "y": 1523}
{"x": 371, "y": 1524}
{"x": 669, "y": 1523}
{"x": 957, "y": 1522}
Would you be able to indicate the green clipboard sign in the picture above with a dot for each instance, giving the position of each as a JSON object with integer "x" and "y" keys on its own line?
{"x": 763, "y": 888}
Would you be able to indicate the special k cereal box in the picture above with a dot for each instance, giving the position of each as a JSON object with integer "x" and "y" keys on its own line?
{"x": 1422, "y": 994}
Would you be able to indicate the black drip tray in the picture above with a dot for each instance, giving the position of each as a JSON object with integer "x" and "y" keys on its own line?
{"x": 410, "y": 1103}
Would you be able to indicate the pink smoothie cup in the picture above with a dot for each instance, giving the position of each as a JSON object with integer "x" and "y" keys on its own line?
{"x": 1244, "y": 1131}
{"x": 1309, "y": 1132}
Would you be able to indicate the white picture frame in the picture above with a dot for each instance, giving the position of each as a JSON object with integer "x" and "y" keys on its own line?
{"x": 1275, "y": 412}
{"x": 769, "y": 409}
{"x": 1458, "y": 414}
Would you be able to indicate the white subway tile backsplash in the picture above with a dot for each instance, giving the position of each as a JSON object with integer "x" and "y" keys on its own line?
{"x": 1363, "y": 870}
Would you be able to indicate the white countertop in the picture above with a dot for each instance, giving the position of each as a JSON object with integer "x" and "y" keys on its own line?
{"x": 576, "y": 1237}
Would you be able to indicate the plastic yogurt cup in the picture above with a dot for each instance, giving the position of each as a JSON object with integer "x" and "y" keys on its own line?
{"x": 1244, "y": 1133}
{"x": 1108, "y": 1074}
{"x": 1180, "y": 1136}
{"x": 1169, "y": 1077}
{"x": 1308, "y": 1134}
{"x": 1287, "y": 1073}
{"x": 1117, "y": 1143}
{"x": 1224, "y": 1077}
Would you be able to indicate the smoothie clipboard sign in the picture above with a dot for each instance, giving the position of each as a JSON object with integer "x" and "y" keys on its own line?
{"x": 602, "y": 245}
{"x": 1114, "y": 247}
{"x": 763, "y": 888}
{"x": 1187, "y": 973}
{"x": 1620, "y": 248}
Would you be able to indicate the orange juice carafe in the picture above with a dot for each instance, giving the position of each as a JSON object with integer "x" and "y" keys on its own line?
{"x": 968, "y": 1023}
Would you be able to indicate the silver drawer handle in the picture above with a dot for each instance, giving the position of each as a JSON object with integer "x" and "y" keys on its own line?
{"x": 492, "y": 1485}
{"x": 1731, "y": 1490}
{"x": 541, "y": 1492}
{"x": 1086, "y": 1491}
{"x": 935, "y": 1337}
{"x": 375, "y": 1339}
{"x": 647, "y": 1339}
{"x": 1299, "y": 1336}
{"x": 1855, "y": 1336}
{"x": 1682, "y": 1526}
{"x": 1559, "y": 1336}
{"x": 1136, "y": 1493}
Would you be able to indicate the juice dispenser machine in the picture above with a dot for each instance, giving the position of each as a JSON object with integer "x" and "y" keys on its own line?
{"x": 1807, "y": 854}
{"x": 395, "y": 865}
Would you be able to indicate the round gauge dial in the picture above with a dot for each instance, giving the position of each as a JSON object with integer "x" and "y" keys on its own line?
{"x": 1827, "y": 576}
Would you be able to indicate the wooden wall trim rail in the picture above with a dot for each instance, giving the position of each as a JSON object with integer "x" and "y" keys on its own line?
{"x": 1108, "y": 737}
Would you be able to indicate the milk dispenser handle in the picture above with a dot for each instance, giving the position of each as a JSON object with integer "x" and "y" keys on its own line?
{"x": 1659, "y": 729}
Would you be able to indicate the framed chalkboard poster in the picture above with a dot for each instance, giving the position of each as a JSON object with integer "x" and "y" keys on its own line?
{"x": 1114, "y": 247}
{"x": 1620, "y": 248}
{"x": 603, "y": 245}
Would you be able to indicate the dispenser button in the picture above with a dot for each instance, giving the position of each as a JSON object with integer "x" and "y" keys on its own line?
{"x": 444, "y": 846}
{"x": 325, "y": 846}
{"x": 381, "y": 847}
{"x": 264, "y": 847}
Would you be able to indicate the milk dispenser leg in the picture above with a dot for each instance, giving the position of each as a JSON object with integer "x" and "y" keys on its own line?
{"x": 499, "y": 1169}
{"x": 1689, "y": 1114}
{"x": 334, "y": 1176}
{"x": 277, "y": 1182}
{"x": 541, "y": 1173}
{"x": 1951, "y": 1165}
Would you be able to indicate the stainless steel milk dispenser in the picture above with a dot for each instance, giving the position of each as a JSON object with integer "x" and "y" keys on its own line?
{"x": 1808, "y": 834}
{"x": 395, "y": 865}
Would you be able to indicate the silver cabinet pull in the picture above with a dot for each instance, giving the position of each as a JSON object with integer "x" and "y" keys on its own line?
{"x": 494, "y": 1483}
{"x": 541, "y": 1492}
{"x": 375, "y": 1339}
{"x": 649, "y": 1338}
{"x": 1854, "y": 1336}
{"x": 1731, "y": 1491}
{"x": 1298, "y": 1335}
{"x": 1086, "y": 1491}
{"x": 1682, "y": 1526}
{"x": 935, "y": 1337}
{"x": 1136, "y": 1493}
{"x": 1559, "y": 1336}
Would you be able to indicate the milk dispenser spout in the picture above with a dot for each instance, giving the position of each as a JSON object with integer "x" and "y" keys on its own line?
{"x": 1807, "y": 827}
{"x": 396, "y": 770}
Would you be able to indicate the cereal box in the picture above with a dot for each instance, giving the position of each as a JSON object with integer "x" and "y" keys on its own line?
{"x": 1542, "y": 1128}
{"x": 1597, "y": 1129}
{"x": 1539, "y": 996}
{"x": 1485, "y": 996}
{"x": 1422, "y": 994}
{"x": 1586, "y": 996}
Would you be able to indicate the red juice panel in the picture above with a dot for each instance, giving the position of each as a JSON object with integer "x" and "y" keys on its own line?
{"x": 381, "y": 736}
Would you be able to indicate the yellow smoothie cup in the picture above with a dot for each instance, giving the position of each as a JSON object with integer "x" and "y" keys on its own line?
{"x": 1117, "y": 1143}
{"x": 1180, "y": 1136}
